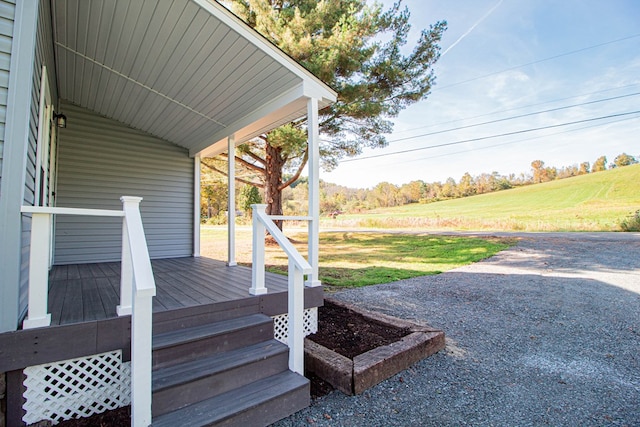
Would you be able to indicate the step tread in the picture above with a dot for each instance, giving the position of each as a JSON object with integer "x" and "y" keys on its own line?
{"x": 219, "y": 408}
{"x": 168, "y": 339}
{"x": 186, "y": 372}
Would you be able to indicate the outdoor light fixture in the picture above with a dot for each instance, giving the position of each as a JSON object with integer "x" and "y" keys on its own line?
{"x": 61, "y": 120}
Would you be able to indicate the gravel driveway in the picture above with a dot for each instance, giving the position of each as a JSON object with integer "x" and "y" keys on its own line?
{"x": 545, "y": 333}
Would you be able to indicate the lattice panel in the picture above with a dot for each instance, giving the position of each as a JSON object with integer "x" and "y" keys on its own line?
{"x": 76, "y": 388}
{"x": 310, "y": 321}
{"x": 281, "y": 324}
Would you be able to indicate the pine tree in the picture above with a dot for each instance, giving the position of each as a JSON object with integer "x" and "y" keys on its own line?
{"x": 356, "y": 48}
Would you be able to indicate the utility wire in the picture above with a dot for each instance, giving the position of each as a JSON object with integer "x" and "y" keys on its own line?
{"x": 515, "y": 108}
{"x": 511, "y": 142}
{"x": 492, "y": 136}
{"x": 522, "y": 65}
{"x": 514, "y": 117}
{"x": 535, "y": 62}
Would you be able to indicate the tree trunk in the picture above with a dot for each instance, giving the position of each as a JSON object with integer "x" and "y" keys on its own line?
{"x": 273, "y": 172}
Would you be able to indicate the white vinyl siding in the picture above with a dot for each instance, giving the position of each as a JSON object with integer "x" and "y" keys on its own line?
{"x": 101, "y": 160}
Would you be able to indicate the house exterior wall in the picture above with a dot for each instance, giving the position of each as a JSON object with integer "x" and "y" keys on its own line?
{"x": 7, "y": 12}
{"x": 43, "y": 56}
{"x": 18, "y": 28}
{"x": 101, "y": 160}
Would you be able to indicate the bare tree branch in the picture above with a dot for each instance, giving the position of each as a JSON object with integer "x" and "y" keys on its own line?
{"x": 250, "y": 165}
{"x": 246, "y": 164}
{"x": 244, "y": 181}
{"x": 255, "y": 157}
{"x": 298, "y": 172}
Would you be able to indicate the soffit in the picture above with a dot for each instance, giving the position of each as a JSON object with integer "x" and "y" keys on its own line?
{"x": 185, "y": 71}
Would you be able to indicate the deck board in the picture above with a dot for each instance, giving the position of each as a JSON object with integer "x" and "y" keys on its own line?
{"x": 72, "y": 303}
{"x": 108, "y": 296}
{"x": 92, "y": 308}
{"x": 87, "y": 292}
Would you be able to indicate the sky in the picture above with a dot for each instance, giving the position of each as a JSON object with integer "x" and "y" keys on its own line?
{"x": 506, "y": 58}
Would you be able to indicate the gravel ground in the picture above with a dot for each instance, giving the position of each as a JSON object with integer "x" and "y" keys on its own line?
{"x": 545, "y": 333}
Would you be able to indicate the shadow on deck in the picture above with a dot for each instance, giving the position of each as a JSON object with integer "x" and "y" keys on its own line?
{"x": 88, "y": 292}
{"x": 83, "y": 300}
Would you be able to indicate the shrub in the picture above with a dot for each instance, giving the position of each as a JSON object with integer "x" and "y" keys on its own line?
{"x": 220, "y": 219}
{"x": 632, "y": 223}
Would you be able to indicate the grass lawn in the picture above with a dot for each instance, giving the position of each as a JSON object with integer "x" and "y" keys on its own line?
{"x": 352, "y": 259}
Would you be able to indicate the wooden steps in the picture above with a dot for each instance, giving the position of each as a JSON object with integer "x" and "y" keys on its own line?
{"x": 182, "y": 345}
{"x": 258, "y": 404}
{"x": 227, "y": 372}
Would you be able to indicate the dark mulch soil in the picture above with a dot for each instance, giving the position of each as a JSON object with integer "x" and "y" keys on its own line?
{"x": 340, "y": 329}
{"x": 349, "y": 333}
{"x": 117, "y": 417}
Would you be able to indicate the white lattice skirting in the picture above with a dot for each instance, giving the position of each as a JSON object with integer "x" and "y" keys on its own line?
{"x": 76, "y": 388}
{"x": 281, "y": 324}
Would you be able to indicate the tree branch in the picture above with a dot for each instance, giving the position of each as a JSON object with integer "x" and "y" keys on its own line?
{"x": 295, "y": 176}
{"x": 249, "y": 164}
{"x": 244, "y": 181}
{"x": 256, "y": 157}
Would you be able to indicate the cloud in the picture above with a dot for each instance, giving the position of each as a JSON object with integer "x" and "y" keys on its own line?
{"x": 510, "y": 87}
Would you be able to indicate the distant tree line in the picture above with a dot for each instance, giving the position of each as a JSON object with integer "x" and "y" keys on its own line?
{"x": 336, "y": 199}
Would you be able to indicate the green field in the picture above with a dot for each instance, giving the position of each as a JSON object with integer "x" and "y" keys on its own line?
{"x": 593, "y": 202}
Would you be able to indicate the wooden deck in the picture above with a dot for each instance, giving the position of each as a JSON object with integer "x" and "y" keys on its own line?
{"x": 88, "y": 292}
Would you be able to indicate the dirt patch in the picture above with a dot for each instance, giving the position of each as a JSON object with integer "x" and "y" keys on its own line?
{"x": 356, "y": 349}
{"x": 116, "y": 417}
{"x": 349, "y": 333}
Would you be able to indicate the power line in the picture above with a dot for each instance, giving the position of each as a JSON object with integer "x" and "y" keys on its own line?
{"x": 514, "y": 117}
{"x": 493, "y": 136}
{"x": 511, "y": 142}
{"x": 524, "y": 65}
{"x": 536, "y": 62}
{"x": 517, "y": 108}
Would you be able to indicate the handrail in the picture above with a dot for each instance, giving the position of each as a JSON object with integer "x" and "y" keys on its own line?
{"x": 284, "y": 242}
{"x": 137, "y": 288}
{"x": 70, "y": 211}
{"x": 298, "y": 268}
{"x": 290, "y": 218}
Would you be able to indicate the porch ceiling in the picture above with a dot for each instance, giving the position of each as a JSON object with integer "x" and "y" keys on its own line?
{"x": 187, "y": 71}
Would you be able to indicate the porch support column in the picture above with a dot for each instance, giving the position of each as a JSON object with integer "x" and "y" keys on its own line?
{"x": 16, "y": 141}
{"x": 39, "y": 272}
{"x": 314, "y": 188}
{"x": 196, "y": 206}
{"x": 231, "y": 208}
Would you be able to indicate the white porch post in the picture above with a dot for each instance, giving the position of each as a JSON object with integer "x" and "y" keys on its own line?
{"x": 314, "y": 188}
{"x": 126, "y": 268}
{"x": 39, "y": 272}
{"x": 196, "y": 206}
{"x": 231, "y": 205}
{"x": 257, "y": 261}
{"x": 296, "y": 323}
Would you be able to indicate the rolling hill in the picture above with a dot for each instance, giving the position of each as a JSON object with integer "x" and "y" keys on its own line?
{"x": 593, "y": 202}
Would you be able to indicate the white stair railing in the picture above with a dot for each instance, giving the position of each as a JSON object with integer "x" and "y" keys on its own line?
{"x": 298, "y": 268}
{"x": 137, "y": 289}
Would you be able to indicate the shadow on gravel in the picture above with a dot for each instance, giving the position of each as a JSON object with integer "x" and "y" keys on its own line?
{"x": 524, "y": 349}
